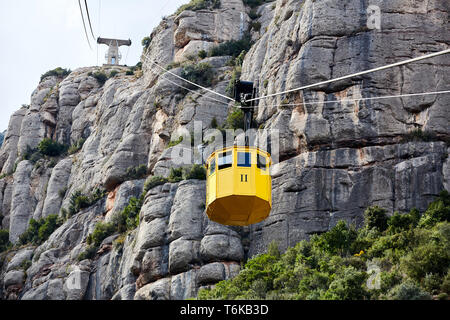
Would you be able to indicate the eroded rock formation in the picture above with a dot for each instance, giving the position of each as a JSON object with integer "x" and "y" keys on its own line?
{"x": 335, "y": 159}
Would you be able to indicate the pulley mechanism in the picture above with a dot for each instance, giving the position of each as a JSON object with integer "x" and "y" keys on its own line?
{"x": 244, "y": 91}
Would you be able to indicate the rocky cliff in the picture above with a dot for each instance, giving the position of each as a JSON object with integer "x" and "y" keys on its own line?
{"x": 335, "y": 158}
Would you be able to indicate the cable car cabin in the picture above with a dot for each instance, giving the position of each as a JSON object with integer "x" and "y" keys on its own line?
{"x": 239, "y": 186}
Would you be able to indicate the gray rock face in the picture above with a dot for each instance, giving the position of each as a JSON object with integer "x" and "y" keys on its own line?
{"x": 57, "y": 185}
{"x": 20, "y": 258}
{"x": 8, "y": 152}
{"x": 21, "y": 204}
{"x": 334, "y": 159}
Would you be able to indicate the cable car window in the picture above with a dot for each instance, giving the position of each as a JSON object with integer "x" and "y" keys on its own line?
{"x": 225, "y": 160}
{"x": 212, "y": 166}
{"x": 261, "y": 162}
{"x": 243, "y": 159}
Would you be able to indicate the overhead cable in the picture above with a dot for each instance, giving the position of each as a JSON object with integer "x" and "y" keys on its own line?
{"x": 435, "y": 54}
{"x": 84, "y": 25}
{"x": 190, "y": 82}
{"x": 89, "y": 18}
{"x": 193, "y": 91}
{"x": 357, "y": 99}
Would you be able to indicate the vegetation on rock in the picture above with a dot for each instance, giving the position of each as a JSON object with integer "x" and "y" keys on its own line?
{"x": 195, "y": 5}
{"x": 40, "y": 230}
{"x": 51, "y": 148}
{"x": 232, "y": 47}
{"x": 138, "y": 172}
{"x": 79, "y": 201}
{"x": 74, "y": 148}
{"x": 200, "y": 73}
{"x": 410, "y": 251}
{"x": 4, "y": 240}
{"x": 58, "y": 72}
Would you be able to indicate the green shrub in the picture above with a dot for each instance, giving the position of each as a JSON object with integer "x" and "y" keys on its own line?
{"x": 58, "y": 72}
{"x": 376, "y": 218}
{"x": 176, "y": 175}
{"x": 235, "y": 119}
{"x": 33, "y": 155}
{"x": 173, "y": 65}
{"x": 195, "y": 5}
{"x": 4, "y": 240}
{"x": 51, "y": 148}
{"x": 273, "y": 249}
{"x": 128, "y": 219}
{"x": 129, "y": 73}
{"x": 74, "y": 148}
{"x": 89, "y": 253}
{"x": 51, "y": 223}
{"x": 338, "y": 240}
{"x": 134, "y": 68}
{"x": 79, "y": 201}
{"x": 138, "y": 172}
{"x": 431, "y": 257}
{"x": 202, "y": 54}
{"x": 195, "y": 171}
{"x": 119, "y": 242}
{"x": 399, "y": 222}
{"x": 432, "y": 283}
{"x": 113, "y": 73}
{"x": 438, "y": 210}
{"x": 214, "y": 123}
{"x": 409, "y": 291}
{"x": 100, "y": 76}
{"x": 153, "y": 182}
{"x": 201, "y": 73}
{"x": 445, "y": 286}
{"x": 100, "y": 233}
{"x": 173, "y": 143}
{"x": 256, "y": 26}
{"x": 25, "y": 264}
{"x": 31, "y": 235}
{"x": 232, "y": 47}
{"x": 349, "y": 284}
{"x": 39, "y": 231}
{"x": 146, "y": 42}
{"x": 413, "y": 259}
{"x": 388, "y": 280}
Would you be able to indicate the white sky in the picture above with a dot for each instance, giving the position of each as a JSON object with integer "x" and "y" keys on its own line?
{"x": 40, "y": 35}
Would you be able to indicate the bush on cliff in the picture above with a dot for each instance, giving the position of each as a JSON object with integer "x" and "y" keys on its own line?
{"x": 4, "y": 240}
{"x": 201, "y": 73}
{"x": 40, "y": 230}
{"x": 195, "y": 5}
{"x": 58, "y": 72}
{"x": 411, "y": 252}
{"x": 51, "y": 148}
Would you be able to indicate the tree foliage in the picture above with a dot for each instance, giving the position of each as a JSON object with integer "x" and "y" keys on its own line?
{"x": 411, "y": 252}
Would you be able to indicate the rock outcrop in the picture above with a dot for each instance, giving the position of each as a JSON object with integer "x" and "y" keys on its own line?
{"x": 335, "y": 158}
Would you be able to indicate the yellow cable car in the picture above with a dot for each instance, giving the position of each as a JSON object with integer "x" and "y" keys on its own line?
{"x": 238, "y": 186}
{"x": 238, "y": 183}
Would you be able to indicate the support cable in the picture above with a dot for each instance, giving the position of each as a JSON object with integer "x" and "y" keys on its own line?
{"x": 84, "y": 25}
{"x": 89, "y": 19}
{"x": 190, "y": 82}
{"x": 435, "y": 54}
{"x": 358, "y": 99}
